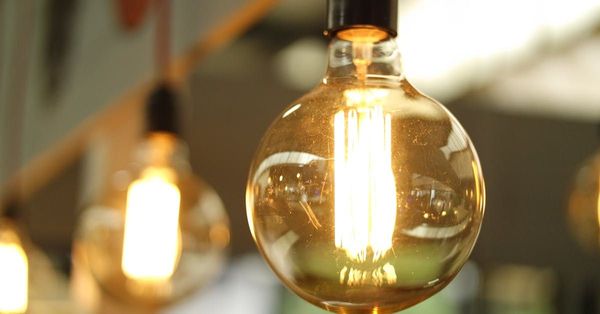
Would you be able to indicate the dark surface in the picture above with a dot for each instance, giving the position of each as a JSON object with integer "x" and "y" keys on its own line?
{"x": 162, "y": 110}
{"x": 50, "y": 217}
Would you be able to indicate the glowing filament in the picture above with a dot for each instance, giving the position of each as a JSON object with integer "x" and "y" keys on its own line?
{"x": 151, "y": 242}
{"x": 379, "y": 276}
{"x": 365, "y": 189}
{"x": 13, "y": 278}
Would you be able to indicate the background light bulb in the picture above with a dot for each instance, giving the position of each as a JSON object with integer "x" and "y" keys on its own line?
{"x": 365, "y": 196}
{"x": 584, "y": 204}
{"x": 14, "y": 271}
{"x": 160, "y": 233}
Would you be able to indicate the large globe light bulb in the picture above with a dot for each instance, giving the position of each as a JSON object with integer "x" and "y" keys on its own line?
{"x": 160, "y": 233}
{"x": 365, "y": 196}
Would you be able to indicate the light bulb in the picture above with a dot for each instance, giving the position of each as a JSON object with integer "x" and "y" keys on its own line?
{"x": 160, "y": 233}
{"x": 14, "y": 271}
{"x": 152, "y": 205}
{"x": 584, "y": 204}
{"x": 365, "y": 196}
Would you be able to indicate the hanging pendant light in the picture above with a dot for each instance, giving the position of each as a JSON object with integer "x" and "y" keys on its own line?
{"x": 161, "y": 233}
{"x": 365, "y": 196}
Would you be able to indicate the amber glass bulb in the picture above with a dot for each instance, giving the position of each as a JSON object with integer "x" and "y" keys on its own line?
{"x": 365, "y": 196}
{"x": 14, "y": 270}
{"x": 584, "y": 204}
{"x": 159, "y": 234}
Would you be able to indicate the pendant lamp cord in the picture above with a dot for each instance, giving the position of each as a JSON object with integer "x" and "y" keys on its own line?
{"x": 16, "y": 99}
{"x": 162, "y": 47}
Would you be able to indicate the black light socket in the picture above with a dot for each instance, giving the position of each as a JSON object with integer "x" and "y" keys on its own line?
{"x": 161, "y": 110}
{"x": 12, "y": 209}
{"x": 344, "y": 14}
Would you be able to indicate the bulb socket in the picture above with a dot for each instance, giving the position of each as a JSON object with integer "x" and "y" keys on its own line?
{"x": 161, "y": 110}
{"x": 12, "y": 209}
{"x": 345, "y": 14}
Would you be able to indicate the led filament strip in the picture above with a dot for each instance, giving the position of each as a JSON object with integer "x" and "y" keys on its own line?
{"x": 365, "y": 189}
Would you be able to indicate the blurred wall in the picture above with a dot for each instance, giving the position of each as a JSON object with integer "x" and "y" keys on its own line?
{"x": 79, "y": 58}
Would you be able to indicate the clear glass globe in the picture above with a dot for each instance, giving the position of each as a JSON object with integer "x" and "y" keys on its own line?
{"x": 365, "y": 196}
{"x": 160, "y": 234}
{"x": 584, "y": 205}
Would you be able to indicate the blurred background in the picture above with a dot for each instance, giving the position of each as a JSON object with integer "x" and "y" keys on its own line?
{"x": 522, "y": 76}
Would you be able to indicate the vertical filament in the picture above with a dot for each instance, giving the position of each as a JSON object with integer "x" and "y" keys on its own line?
{"x": 13, "y": 278}
{"x": 151, "y": 242}
{"x": 365, "y": 189}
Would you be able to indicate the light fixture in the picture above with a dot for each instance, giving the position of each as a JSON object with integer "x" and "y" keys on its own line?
{"x": 584, "y": 204}
{"x": 14, "y": 270}
{"x": 162, "y": 232}
{"x": 365, "y": 196}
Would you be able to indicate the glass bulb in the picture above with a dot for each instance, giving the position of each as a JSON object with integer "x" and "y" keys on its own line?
{"x": 14, "y": 271}
{"x": 160, "y": 234}
{"x": 365, "y": 196}
{"x": 584, "y": 204}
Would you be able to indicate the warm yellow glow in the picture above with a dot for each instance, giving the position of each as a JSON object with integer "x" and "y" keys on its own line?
{"x": 13, "y": 278}
{"x": 379, "y": 276}
{"x": 477, "y": 184}
{"x": 598, "y": 207}
{"x": 365, "y": 189}
{"x": 151, "y": 242}
{"x": 363, "y": 34}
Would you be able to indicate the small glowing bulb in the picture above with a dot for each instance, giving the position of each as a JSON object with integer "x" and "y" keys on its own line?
{"x": 159, "y": 233}
{"x": 584, "y": 204}
{"x": 151, "y": 244}
{"x": 14, "y": 269}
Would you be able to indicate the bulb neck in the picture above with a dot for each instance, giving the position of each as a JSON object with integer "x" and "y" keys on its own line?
{"x": 365, "y": 55}
{"x": 163, "y": 150}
